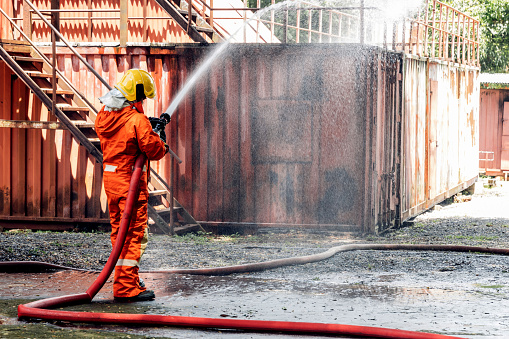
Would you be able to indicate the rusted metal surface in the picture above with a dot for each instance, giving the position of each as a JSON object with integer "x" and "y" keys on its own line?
{"x": 275, "y": 143}
{"x": 340, "y": 142}
{"x": 146, "y": 22}
{"x": 5, "y": 31}
{"x": 436, "y": 30}
{"x": 494, "y": 131}
{"x": 45, "y": 173}
{"x": 441, "y": 132}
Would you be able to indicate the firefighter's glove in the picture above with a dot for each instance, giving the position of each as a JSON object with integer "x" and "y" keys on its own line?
{"x": 162, "y": 135}
{"x": 158, "y": 126}
{"x": 166, "y": 118}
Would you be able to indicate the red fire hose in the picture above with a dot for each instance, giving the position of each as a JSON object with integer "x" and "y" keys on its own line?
{"x": 41, "y": 309}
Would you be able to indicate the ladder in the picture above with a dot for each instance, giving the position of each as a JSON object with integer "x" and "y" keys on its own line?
{"x": 76, "y": 114}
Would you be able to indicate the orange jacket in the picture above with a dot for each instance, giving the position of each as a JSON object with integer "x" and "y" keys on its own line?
{"x": 124, "y": 135}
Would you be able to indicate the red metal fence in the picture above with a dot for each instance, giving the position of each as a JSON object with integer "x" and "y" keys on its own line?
{"x": 433, "y": 30}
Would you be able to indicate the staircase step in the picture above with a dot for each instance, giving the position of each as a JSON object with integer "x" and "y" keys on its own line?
{"x": 27, "y": 59}
{"x": 66, "y": 108}
{"x": 187, "y": 228}
{"x": 95, "y": 141}
{"x": 83, "y": 124}
{"x": 15, "y": 46}
{"x": 156, "y": 193}
{"x": 32, "y": 72}
{"x": 184, "y": 13}
{"x": 59, "y": 91}
{"x": 42, "y": 75}
{"x": 162, "y": 210}
{"x": 204, "y": 29}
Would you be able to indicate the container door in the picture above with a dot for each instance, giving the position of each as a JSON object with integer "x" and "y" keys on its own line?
{"x": 504, "y": 158}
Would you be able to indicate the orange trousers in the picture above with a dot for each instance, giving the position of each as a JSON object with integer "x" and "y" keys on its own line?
{"x": 126, "y": 282}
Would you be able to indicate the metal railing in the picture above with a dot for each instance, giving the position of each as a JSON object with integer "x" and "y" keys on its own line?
{"x": 51, "y": 63}
{"x": 445, "y": 33}
{"x": 436, "y": 30}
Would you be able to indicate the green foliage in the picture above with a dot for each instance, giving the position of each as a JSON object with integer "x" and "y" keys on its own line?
{"x": 197, "y": 238}
{"x": 493, "y": 16}
{"x": 471, "y": 237}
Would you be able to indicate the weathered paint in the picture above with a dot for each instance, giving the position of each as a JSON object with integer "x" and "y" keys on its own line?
{"x": 104, "y": 26}
{"x": 277, "y": 135}
{"x": 5, "y": 26}
{"x": 494, "y": 131}
{"x": 441, "y": 132}
{"x": 45, "y": 173}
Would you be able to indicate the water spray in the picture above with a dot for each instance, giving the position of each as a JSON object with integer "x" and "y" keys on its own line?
{"x": 218, "y": 50}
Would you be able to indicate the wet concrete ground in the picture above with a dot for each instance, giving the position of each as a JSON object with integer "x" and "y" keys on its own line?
{"x": 435, "y": 301}
{"x": 460, "y": 294}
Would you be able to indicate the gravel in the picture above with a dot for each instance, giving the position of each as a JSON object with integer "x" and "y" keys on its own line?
{"x": 483, "y": 221}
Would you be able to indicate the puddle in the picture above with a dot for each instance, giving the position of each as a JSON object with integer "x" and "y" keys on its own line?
{"x": 270, "y": 296}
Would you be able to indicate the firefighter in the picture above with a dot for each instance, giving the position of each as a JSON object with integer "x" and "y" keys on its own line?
{"x": 125, "y": 132}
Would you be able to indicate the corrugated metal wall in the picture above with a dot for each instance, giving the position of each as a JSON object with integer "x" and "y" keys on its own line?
{"x": 272, "y": 134}
{"x": 279, "y": 136}
{"x": 5, "y": 26}
{"x": 104, "y": 26}
{"x": 494, "y": 131}
{"x": 383, "y": 134}
{"x": 46, "y": 178}
{"x": 49, "y": 177}
{"x": 441, "y": 132}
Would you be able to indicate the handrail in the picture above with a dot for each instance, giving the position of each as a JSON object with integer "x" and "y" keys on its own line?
{"x": 427, "y": 34}
{"x": 439, "y": 31}
{"x": 449, "y": 23}
{"x": 48, "y": 62}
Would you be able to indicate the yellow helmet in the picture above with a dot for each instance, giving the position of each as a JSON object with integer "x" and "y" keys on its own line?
{"x": 129, "y": 85}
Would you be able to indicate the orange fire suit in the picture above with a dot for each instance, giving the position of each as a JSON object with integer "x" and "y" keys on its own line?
{"x": 124, "y": 135}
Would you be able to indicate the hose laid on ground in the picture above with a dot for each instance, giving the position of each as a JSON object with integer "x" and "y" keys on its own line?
{"x": 261, "y": 266}
{"x": 41, "y": 309}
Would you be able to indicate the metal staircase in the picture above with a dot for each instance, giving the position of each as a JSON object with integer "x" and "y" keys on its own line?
{"x": 189, "y": 20}
{"x": 75, "y": 113}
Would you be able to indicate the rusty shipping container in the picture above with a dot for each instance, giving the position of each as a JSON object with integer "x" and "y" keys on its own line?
{"x": 494, "y": 132}
{"x": 322, "y": 135}
{"x": 441, "y": 132}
